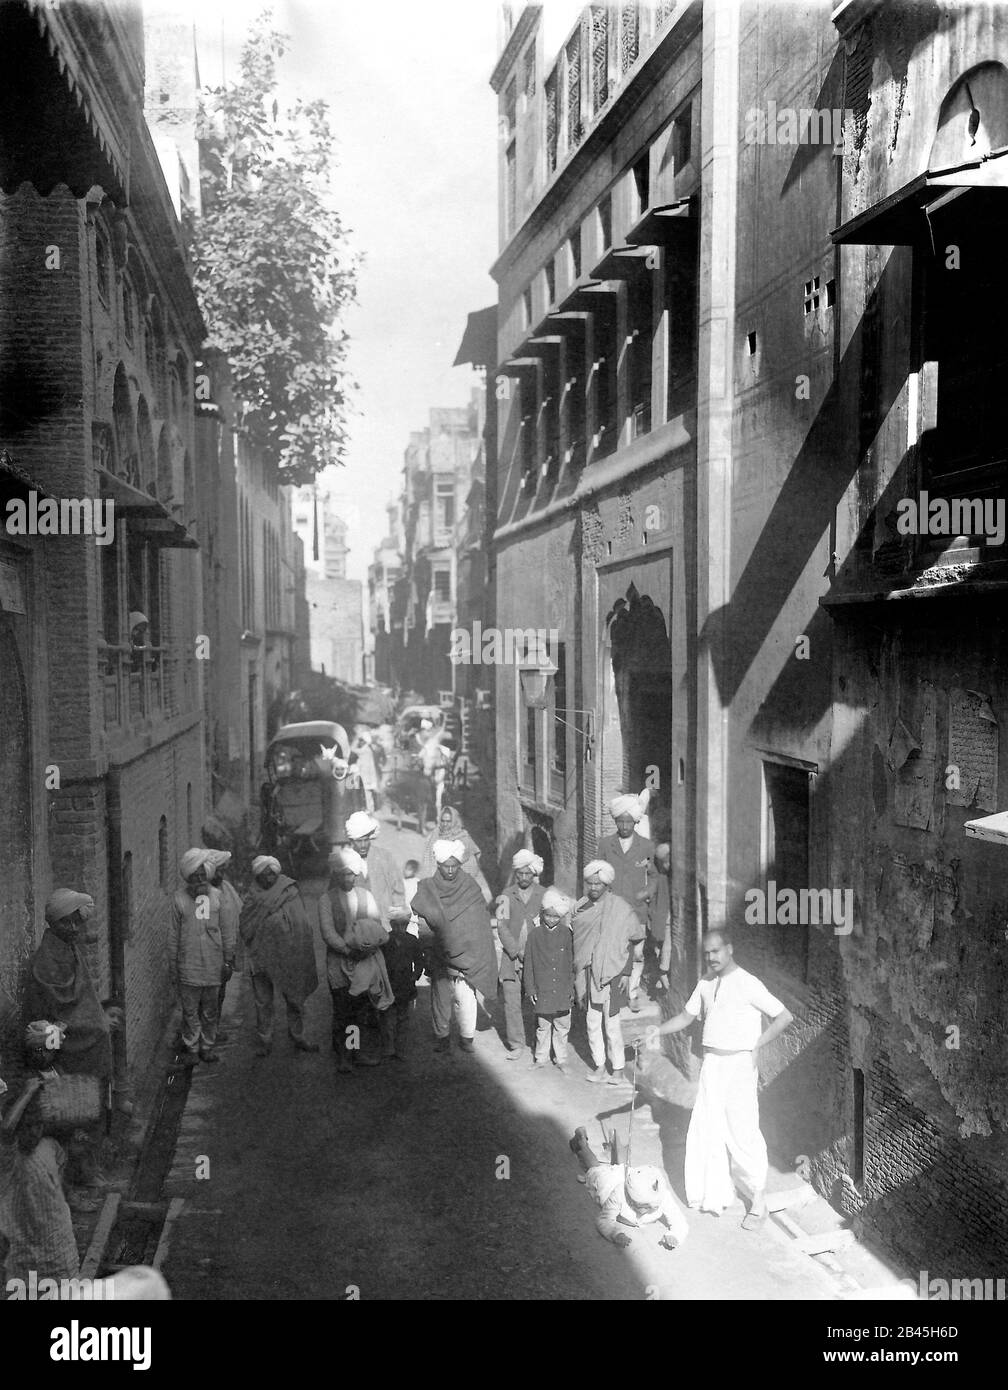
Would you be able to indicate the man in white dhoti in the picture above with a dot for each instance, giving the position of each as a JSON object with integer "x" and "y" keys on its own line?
{"x": 725, "y": 1119}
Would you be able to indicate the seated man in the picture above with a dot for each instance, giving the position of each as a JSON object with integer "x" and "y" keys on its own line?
{"x": 628, "y": 1196}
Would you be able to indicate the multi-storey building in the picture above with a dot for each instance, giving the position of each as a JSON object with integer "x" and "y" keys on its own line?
{"x": 386, "y": 630}
{"x": 438, "y": 471}
{"x": 103, "y": 777}
{"x": 596, "y": 388}
{"x": 744, "y": 254}
{"x": 335, "y": 602}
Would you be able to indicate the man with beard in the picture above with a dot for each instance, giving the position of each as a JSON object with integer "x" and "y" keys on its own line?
{"x": 201, "y": 951}
{"x": 381, "y": 874}
{"x": 463, "y": 959}
{"x": 354, "y": 934}
{"x": 725, "y": 1119}
{"x": 632, "y": 859}
{"x": 605, "y": 931}
{"x": 516, "y": 910}
{"x": 59, "y": 989}
{"x": 275, "y": 929}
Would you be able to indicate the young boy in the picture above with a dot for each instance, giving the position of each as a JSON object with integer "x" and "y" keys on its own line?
{"x": 548, "y": 977}
{"x": 404, "y": 962}
{"x": 411, "y": 877}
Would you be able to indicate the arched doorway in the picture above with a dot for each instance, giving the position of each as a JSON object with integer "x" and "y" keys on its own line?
{"x": 542, "y": 844}
{"x": 639, "y": 679}
{"x": 17, "y": 917}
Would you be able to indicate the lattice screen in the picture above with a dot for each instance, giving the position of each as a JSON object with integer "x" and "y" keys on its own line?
{"x": 629, "y": 36}
{"x": 551, "y": 122}
{"x": 574, "y": 91}
{"x": 599, "y": 56}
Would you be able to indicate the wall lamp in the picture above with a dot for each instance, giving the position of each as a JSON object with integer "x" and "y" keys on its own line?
{"x": 535, "y": 677}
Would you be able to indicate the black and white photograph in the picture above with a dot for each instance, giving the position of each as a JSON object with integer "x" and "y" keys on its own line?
{"x": 503, "y": 649}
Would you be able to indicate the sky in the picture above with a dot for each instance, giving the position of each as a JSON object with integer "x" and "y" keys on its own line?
{"x": 415, "y": 183}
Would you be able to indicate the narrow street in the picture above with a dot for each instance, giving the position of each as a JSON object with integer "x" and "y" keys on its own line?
{"x": 384, "y": 1184}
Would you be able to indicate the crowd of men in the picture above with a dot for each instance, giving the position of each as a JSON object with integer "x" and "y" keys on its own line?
{"x": 385, "y": 927}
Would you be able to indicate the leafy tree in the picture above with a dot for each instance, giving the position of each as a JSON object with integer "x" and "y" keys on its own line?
{"x": 271, "y": 265}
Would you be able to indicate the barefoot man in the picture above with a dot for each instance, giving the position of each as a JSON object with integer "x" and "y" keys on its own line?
{"x": 725, "y": 1119}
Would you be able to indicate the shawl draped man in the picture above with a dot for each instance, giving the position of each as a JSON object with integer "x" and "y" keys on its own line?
{"x": 352, "y": 930}
{"x": 604, "y": 935}
{"x": 457, "y": 917}
{"x": 463, "y": 959}
{"x": 281, "y": 949}
{"x": 59, "y": 989}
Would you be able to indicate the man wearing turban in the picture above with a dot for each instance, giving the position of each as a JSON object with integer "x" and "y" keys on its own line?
{"x": 463, "y": 960}
{"x": 230, "y": 904}
{"x": 59, "y": 989}
{"x": 276, "y": 930}
{"x": 604, "y": 934}
{"x": 201, "y": 952}
{"x": 352, "y": 929}
{"x": 636, "y": 881}
{"x": 514, "y": 912}
{"x": 449, "y": 827}
{"x": 380, "y": 872}
{"x": 549, "y": 977}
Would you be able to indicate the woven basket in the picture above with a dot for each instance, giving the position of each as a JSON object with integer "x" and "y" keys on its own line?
{"x": 70, "y": 1102}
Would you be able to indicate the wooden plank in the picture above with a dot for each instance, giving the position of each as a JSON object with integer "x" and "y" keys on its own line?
{"x": 827, "y": 1240}
{"x": 792, "y": 1227}
{"x": 792, "y": 1198}
{"x": 102, "y": 1231}
{"x": 174, "y": 1211}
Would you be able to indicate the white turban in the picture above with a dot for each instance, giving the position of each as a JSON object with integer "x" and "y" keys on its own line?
{"x": 263, "y": 862}
{"x": 626, "y": 806}
{"x": 598, "y": 868}
{"x": 643, "y": 1187}
{"x": 194, "y": 859}
{"x": 217, "y": 858}
{"x": 449, "y": 849}
{"x": 555, "y": 901}
{"x": 525, "y": 859}
{"x": 360, "y": 825}
{"x": 63, "y": 901}
{"x": 343, "y": 857}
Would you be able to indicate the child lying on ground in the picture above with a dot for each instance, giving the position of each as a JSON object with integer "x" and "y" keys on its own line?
{"x": 628, "y": 1196}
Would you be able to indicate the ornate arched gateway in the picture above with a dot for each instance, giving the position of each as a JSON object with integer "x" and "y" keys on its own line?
{"x": 637, "y": 701}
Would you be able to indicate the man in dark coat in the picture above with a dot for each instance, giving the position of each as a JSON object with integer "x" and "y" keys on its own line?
{"x": 463, "y": 959}
{"x": 278, "y": 937}
{"x": 549, "y": 977}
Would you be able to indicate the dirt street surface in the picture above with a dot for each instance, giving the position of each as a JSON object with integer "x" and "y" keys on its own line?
{"x": 447, "y": 1177}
